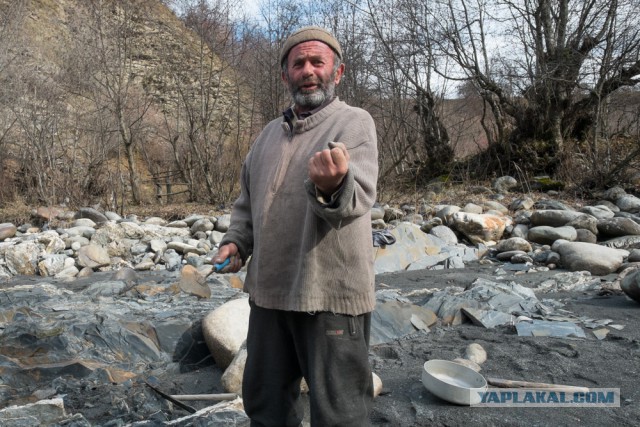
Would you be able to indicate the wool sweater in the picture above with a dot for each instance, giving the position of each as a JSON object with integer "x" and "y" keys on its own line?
{"x": 307, "y": 253}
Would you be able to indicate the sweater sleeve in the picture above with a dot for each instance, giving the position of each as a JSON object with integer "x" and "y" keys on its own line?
{"x": 241, "y": 229}
{"x": 358, "y": 191}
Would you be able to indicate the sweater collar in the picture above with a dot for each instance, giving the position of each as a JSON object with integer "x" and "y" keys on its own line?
{"x": 308, "y": 120}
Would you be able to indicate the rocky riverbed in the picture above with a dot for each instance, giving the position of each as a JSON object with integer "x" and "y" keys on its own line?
{"x": 102, "y": 317}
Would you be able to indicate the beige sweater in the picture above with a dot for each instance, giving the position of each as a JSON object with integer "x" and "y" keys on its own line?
{"x": 307, "y": 255}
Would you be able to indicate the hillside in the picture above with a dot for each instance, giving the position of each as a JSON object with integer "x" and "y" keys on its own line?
{"x": 101, "y": 100}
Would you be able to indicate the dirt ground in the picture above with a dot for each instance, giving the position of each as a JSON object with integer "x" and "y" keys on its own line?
{"x": 610, "y": 363}
{"x": 613, "y": 362}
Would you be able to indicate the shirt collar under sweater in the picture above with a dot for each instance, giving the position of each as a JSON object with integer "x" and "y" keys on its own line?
{"x": 296, "y": 121}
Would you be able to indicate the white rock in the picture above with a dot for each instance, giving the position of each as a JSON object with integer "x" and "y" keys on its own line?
{"x": 475, "y": 353}
{"x": 225, "y": 329}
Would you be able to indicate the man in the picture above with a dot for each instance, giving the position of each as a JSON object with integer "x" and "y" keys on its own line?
{"x": 303, "y": 215}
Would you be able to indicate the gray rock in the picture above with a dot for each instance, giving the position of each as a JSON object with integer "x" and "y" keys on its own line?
{"x": 596, "y": 259}
{"x": 391, "y": 214}
{"x": 22, "y": 258}
{"x": 7, "y": 230}
{"x": 520, "y": 231}
{"x": 553, "y": 217}
{"x": 203, "y": 224}
{"x": 444, "y": 233}
{"x": 523, "y": 203}
{"x": 634, "y": 256}
{"x": 507, "y": 255}
{"x": 617, "y": 227}
{"x": 495, "y": 206}
{"x": 549, "y": 204}
{"x": 614, "y": 193}
{"x": 504, "y": 184}
{"x": 445, "y": 212}
{"x": 628, "y": 203}
{"x": 83, "y": 222}
{"x": 92, "y": 214}
{"x": 598, "y": 211}
{"x": 583, "y": 235}
{"x": 93, "y": 256}
{"x": 51, "y": 265}
{"x": 472, "y": 208}
{"x": 223, "y": 223}
{"x": 630, "y": 284}
{"x": 625, "y": 242}
{"x": 154, "y": 220}
{"x": 513, "y": 244}
{"x": 586, "y": 222}
{"x": 546, "y": 235}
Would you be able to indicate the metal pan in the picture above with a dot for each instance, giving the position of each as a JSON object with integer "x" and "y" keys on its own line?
{"x": 453, "y": 382}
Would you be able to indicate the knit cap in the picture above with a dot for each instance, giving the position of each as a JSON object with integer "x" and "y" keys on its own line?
{"x": 306, "y": 34}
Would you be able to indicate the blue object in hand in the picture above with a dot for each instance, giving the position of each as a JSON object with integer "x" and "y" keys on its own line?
{"x": 223, "y": 264}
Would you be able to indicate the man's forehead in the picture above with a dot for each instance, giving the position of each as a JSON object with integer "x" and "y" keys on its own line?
{"x": 310, "y": 48}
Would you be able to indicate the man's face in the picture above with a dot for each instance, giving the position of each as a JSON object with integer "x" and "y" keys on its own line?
{"x": 310, "y": 74}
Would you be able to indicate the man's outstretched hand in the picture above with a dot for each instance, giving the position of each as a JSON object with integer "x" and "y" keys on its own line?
{"x": 327, "y": 168}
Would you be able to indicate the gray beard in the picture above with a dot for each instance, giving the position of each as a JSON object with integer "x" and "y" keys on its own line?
{"x": 315, "y": 99}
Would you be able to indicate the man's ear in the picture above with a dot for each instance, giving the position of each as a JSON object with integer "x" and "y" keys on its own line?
{"x": 285, "y": 80}
{"x": 339, "y": 73}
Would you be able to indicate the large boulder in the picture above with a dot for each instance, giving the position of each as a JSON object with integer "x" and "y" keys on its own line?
{"x": 546, "y": 235}
{"x": 596, "y": 259}
{"x": 630, "y": 284}
{"x": 225, "y": 329}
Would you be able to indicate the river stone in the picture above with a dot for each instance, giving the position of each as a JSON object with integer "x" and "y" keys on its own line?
{"x": 445, "y": 212}
{"x": 194, "y": 283}
{"x": 598, "y": 211}
{"x": 377, "y": 212}
{"x": 92, "y": 214}
{"x": 154, "y": 220}
{"x": 553, "y": 217}
{"x": 476, "y": 353}
{"x": 513, "y": 244}
{"x": 445, "y": 233}
{"x": 628, "y": 203}
{"x": 411, "y": 245}
{"x": 203, "y": 224}
{"x": 225, "y": 329}
{"x": 585, "y": 222}
{"x": 586, "y": 236}
{"x": 545, "y": 235}
{"x": 7, "y": 230}
{"x": 93, "y": 256}
{"x": 523, "y": 203}
{"x": 23, "y": 258}
{"x": 51, "y": 265}
{"x": 480, "y": 228}
{"x": 503, "y": 184}
{"x": 618, "y": 227}
{"x": 507, "y": 255}
{"x": 472, "y": 208}
{"x": 630, "y": 284}
{"x": 520, "y": 231}
{"x": 223, "y": 223}
{"x": 232, "y": 377}
{"x": 596, "y": 259}
{"x": 491, "y": 205}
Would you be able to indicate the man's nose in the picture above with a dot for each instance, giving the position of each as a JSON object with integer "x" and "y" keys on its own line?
{"x": 307, "y": 68}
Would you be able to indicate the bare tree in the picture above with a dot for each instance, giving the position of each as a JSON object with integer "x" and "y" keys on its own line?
{"x": 547, "y": 85}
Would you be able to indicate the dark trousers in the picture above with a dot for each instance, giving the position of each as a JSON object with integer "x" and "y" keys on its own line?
{"x": 330, "y": 350}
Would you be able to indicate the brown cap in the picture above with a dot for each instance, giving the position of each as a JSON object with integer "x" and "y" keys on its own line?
{"x": 306, "y": 34}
